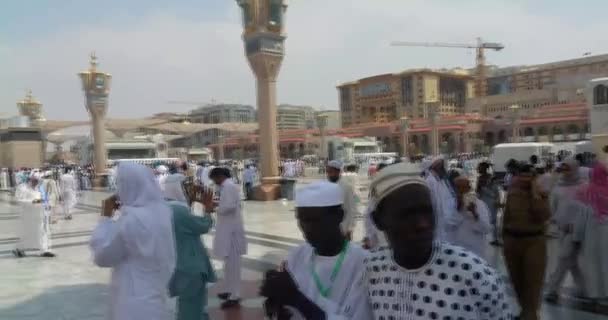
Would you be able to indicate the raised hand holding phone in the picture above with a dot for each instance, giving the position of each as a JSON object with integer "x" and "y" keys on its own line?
{"x": 109, "y": 205}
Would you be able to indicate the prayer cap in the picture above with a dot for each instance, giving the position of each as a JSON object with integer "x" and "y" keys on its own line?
{"x": 336, "y": 164}
{"x": 394, "y": 177}
{"x": 319, "y": 194}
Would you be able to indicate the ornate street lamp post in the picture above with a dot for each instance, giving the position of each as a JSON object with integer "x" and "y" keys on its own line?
{"x": 405, "y": 135}
{"x": 322, "y": 124}
{"x": 515, "y": 122}
{"x": 263, "y": 37}
{"x": 434, "y": 113}
{"x": 96, "y": 87}
{"x": 220, "y": 146}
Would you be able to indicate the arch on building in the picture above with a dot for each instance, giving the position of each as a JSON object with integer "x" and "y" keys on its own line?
{"x": 600, "y": 94}
{"x": 291, "y": 150}
{"x": 489, "y": 139}
{"x": 331, "y": 154}
{"x": 447, "y": 143}
{"x": 529, "y": 132}
{"x": 397, "y": 144}
{"x": 386, "y": 141}
{"x": 557, "y": 130}
{"x": 542, "y": 131}
{"x": 502, "y": 136}
{"x": 573, "y": 129}
{"x": 301, "y": 149}
{"x": 425, "y": 146}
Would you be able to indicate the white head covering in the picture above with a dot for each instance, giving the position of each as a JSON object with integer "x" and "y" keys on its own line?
{"x": 162, "y": 169}
{"x": 336, "y": 164}
{"x": 319, "y": 194}
{"x": 392, "y": 178}
{"x": 141, "y": 199}
{"x": 173, "y": 188}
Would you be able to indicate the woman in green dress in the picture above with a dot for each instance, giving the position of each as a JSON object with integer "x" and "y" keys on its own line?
{"x": 193, "y": 270}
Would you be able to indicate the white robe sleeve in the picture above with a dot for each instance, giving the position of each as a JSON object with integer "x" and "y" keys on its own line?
{"x": 107, "y": 244}
{"x": 350, "y": 208}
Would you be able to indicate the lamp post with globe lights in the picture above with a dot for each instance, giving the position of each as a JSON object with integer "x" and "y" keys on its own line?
{"x": 96, "y": 87}
{"x": 263, "y": 37}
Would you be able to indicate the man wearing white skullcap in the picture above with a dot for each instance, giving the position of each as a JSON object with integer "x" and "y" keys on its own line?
{"x": 418, "y": 277}
{"x": 325, "y": 277}
{"x": 333, "y": 172}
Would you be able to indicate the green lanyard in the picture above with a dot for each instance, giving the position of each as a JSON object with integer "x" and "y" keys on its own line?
{"x": 322, "y": 289}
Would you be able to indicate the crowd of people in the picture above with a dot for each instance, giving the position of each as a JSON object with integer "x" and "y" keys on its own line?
{"x": 423, "y": 255}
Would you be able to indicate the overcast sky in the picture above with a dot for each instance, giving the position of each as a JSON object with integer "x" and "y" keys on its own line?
{"x": 191, "y": 50}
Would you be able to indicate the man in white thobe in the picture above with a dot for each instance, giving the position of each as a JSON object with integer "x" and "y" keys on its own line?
{"x": 68, "y": 186}
{"x": 470, "y": 225}
{"x": 4, "y": 181}
{"x": 52, "y": 195}
{"x": 326, "y": 275}
{"x": 34, "y": 232}
{"x": 248, "y": 181}
{"x": 333, "y": 172}
{"x": 229, "y": 243}
{"x": 442, "y": 194}
{"x": 565, "y": 210}
{"x": 162, "y": 172}
{"x": 139, "y": 246}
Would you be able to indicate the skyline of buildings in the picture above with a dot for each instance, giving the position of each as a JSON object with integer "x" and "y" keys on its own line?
{"x": 550, "y": 101}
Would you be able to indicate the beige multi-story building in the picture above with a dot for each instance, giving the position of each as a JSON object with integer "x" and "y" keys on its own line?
{"x": 221, "y": 113}
{"x": 333, "y": 119}
{"x": 536, "y": 86}
{"x": 412, "y": 93}
{"x": 291, "y": 117}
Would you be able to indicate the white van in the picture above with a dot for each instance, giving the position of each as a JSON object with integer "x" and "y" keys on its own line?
{"x": 501, "y": 153}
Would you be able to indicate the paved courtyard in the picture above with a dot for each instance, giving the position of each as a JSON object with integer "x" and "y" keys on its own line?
{"x": 70, "y": 287}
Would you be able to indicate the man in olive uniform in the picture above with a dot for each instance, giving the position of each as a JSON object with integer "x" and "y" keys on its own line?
{"x": 525, "y": 246}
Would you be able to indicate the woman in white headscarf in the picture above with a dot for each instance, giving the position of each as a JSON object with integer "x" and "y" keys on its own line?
{"x": 139, "y": 246}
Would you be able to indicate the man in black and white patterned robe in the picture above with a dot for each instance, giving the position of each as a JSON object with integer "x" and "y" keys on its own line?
{"x": 419, "y": 277}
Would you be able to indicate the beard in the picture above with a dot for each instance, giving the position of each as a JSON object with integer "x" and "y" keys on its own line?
{"x": 333, "y": 179}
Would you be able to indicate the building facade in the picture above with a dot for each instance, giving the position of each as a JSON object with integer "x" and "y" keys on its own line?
{"x": 412, "y": 93}
{"x": 222, "y": 113}
{"x": 537, "y": 86}
{"x": 333, "y": 118}
{"x": 292, "y": 117}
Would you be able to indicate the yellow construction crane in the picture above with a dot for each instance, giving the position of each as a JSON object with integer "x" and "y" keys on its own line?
{"x": 480, "y": 68}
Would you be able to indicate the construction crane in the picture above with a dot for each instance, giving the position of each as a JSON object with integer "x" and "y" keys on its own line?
{"x": 480, "y": 47}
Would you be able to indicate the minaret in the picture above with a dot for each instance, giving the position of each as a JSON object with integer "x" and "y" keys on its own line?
{"x": 96, "y": 87}
{"x": 32, "y": 108}
{"x": 263, "y": 36}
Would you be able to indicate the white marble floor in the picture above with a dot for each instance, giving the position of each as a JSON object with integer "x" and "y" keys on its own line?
{"x": 71, "y": 287}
